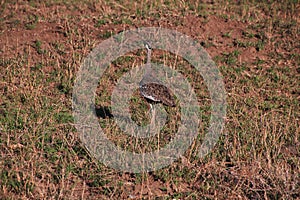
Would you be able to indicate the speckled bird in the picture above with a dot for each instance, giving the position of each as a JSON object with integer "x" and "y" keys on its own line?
{"x": 151, "y": 89}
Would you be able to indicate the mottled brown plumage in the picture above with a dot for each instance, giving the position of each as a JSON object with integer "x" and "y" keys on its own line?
{"x": 157, "y": 93}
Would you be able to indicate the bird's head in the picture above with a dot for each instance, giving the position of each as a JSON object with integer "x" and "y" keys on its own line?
{"x": 147, "y": 45}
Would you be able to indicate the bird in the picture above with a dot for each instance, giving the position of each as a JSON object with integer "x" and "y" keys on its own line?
{"x": 151, "y": 89}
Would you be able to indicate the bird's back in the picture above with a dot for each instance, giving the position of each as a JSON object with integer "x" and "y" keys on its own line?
{"x": 158, "y": 93}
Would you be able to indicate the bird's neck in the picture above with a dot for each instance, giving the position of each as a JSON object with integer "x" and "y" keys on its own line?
{"x": 149, "y": 57}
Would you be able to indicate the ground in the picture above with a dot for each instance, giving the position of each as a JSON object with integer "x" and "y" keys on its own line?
{"x": 256, "y": 47}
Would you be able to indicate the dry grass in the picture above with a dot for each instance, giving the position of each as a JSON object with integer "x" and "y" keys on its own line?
{"x": 256, "y": 47}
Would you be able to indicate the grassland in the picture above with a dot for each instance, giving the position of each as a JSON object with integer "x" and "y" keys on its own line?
{"x": 256, "y": 47}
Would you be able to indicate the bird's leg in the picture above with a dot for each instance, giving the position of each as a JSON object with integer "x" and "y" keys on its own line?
{"x": 149, "y": 112}
{"x": 151, "y": 108}
{"x": 152, "y": 111}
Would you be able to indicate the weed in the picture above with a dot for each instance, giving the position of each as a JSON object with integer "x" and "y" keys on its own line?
{"x": 38, "y": 47}
{"x": 230, "y": 58}
{"x": 105, "y": 35}
{"x": 32, "y": 22}
{"x": 227, "y": 35}
{"x": 100, "y": 22}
